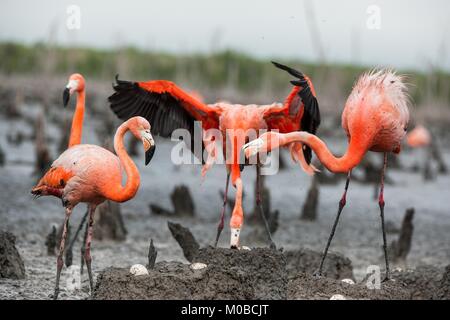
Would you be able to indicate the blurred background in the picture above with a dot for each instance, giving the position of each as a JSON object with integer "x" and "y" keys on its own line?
{"x": 222, "y": 50}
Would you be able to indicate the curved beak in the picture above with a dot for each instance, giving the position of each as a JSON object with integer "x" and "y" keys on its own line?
{"x": 66, "y": 96}
{"x": 70, "y": 88}
{"x": 149, "y": 154}
{"x": 149, "y": 146}
{"x": 252, "y": 148}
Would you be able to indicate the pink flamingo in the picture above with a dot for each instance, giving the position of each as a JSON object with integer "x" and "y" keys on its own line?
{"x": 168, "y": 108}
{"x": 418, "y": 137}
{"x": 77, "y": 85}
{"x": 91, "y": 174}
{"x": 375, "y": 118}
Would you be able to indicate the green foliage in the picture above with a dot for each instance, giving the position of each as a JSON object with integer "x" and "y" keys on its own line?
{"x": 226, "y": 69}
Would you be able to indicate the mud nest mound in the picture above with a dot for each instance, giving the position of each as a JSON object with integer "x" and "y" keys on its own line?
{"x": 426, "y": 282}
{"x": 229, "y": 274}
{"x": 304, "y": 260}
{"x": 260, "y": 274}
{"x": 306, "y": 287}
{"x": 11, "y": 264}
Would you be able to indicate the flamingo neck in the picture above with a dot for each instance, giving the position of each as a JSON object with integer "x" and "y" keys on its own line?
{"x": 118, "y": 192}
{"x": 354, "y": 154}
{"x": 77, "y": 121}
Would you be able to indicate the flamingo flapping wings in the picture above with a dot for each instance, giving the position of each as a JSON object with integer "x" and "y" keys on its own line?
{"x": 168, "y": 107}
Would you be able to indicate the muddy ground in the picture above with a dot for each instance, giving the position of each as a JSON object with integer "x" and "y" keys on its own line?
{"x": 262, "y": 273}
{"x": 358, "y": 236}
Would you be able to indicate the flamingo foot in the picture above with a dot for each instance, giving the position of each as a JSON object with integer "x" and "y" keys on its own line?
{"x": 234, "y": 241}
{"x": 318, "y": 274}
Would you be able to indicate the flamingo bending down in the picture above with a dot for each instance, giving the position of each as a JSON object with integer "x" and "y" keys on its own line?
{"x": 168, "y": 107}
{"x": 91, "y": 174}
{"x": 375, "y": 118}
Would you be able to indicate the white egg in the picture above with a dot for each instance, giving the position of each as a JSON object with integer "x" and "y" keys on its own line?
{"x": 337, "y": 297}
{"x": 198, "y": 266}
{"x": 349, "y": 281}
{"x": 138, "y": 270}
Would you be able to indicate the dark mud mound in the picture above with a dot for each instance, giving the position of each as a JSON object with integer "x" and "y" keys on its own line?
{"x": 229, "y": 274}
{"x": 109, "y": 222}
{"x": 11, "y": 264}
{"x": 425, "y": 282}
{"x": 261, "y": 270}
{"x": 168, "y": 280}
{"x": 443, "y": 291}
{"x": 185, "y": 239}
{"x": 306, "y": 286}
{"x": 307, "y": 261}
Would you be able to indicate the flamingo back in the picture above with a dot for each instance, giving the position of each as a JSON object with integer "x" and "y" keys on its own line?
{"x": 377, "y": 112}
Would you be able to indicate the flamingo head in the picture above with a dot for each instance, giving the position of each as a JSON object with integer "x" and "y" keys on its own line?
{"x": 140, "y": 128}
{"x": 265, "y": 143}
{"x": 76, "y": 84}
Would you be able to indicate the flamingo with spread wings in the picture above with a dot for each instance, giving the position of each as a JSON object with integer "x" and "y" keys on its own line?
{"x": 168, "y": 107}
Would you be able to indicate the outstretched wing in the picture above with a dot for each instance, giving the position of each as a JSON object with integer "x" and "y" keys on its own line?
{"x": 300, "y": 110}
{"x": 163, "y": 104}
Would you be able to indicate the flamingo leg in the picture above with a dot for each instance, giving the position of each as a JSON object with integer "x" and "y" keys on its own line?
{"x": 60, "y": 261}
{"x": 260, "y": 206}
{"x": 237, "y": 216}
{"x": 222, "y": 215}
{"x": 342, "y": 203}
{"x": 87, "y": 254}
{"x": 74, "y": 239}
{"x": 83, "y": 246}
{"x": 381, "y": 204}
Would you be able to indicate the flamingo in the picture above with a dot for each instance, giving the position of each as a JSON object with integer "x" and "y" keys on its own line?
{"x": 168, "y": 107}
{"x": 76, "y": 84}
{"x": 418, "y": 137}
{"x": 91, "y": 174}
{"x": 375, "y": 118}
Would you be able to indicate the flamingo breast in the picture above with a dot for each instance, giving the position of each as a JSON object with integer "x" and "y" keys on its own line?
{"x": 90, "y": 166}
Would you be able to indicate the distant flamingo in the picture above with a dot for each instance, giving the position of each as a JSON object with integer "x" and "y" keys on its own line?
{"x": 76, "y": 84}
{"x": 91, "y": 174}
{"x": 375, "y": 118}
{"x": 168, "y": 107}
{"x": 418, "y": 137}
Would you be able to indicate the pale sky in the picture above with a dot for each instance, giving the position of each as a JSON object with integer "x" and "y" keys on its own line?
{"x": 413, "y": 34}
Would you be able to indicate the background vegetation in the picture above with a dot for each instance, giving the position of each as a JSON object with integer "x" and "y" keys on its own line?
{"x": 225, "y": 70}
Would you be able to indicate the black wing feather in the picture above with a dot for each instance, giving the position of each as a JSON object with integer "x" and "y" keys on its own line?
{"x": 164, "y": 112}
{"x": 310, "y": 121}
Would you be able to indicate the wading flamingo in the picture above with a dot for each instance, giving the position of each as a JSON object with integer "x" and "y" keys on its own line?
{"x": 91, "y": 174}
{"x": 77, "y": 85}
{"x": 168, "y": 107}
{"x": 375, "y": 118}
